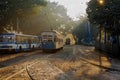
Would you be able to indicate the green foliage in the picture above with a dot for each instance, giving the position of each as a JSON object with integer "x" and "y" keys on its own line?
{"x": 52, "y": 16}
{"x": 107, "y": 13}
{"x": 15, "y": 8}
{"x": 81, "y": 30}
{"x": 34, "y": 18}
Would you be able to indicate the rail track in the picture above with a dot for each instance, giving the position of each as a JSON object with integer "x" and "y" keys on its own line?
{"x": 35, "y": 59}
{"x": 24, "y": 69}
{"x": 7, "y": 56}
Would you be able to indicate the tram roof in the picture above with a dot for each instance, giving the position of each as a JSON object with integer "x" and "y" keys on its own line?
{"x": 51, "y": 31}
{"x": 16, "y": 34}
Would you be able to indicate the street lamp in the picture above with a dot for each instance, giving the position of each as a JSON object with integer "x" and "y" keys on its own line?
{"x": 101, "y": 2}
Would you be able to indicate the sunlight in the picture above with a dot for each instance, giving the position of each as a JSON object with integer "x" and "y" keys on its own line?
{"x": 75, "y": 8}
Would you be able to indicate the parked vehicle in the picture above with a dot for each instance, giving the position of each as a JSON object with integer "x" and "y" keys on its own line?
{"x": 18, "y": 42}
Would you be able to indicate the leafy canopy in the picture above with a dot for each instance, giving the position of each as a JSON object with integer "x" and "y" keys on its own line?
{"x": 12, "y": 8}
{"x": 107, "y": 13}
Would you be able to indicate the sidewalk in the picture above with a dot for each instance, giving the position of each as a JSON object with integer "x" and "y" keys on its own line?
{"x": 115, "y": 64}
{"x": 96, "y": 58}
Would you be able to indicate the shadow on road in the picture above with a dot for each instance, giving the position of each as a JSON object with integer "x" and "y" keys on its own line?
{"x": 82, "y": 62}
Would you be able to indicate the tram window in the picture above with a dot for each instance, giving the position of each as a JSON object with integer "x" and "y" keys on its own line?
{"x": 119, "y": 40}
{"x": 44, "y": 36}
{"x": 44, "y": 40}
{"x": 50, "y": 40}
{"x": 55, "y": 39}
{"x": 10, "y": 39}
{"x": 1, "y": 38}
{"x": 58, "y": 40}
{"x": 49, "y": 35}
{"x": 18, "y": 39}
{"x": 25, "y": 41}
{"x": 62, "y": 40}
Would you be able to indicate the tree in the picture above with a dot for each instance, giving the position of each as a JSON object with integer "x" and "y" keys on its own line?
{"x": 108, "y": 12}
{"x": 81, "y": 31}
{"x": 52, "y": 16}
{"x": 107, "y": 15}
{"x": 10, "y": 9}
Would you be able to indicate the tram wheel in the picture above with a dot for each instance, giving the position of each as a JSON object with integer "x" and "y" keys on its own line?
{"x": 20, "y": 48}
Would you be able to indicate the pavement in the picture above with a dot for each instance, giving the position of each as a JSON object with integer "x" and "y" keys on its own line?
{"x": 72, "y": 63}
{"x": 89, "y": 55}
{"x": 115, "y": 64}
{"x": 45, "y": 70}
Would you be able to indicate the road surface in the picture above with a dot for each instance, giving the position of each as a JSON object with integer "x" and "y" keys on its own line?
{"x": 75, "y": 62}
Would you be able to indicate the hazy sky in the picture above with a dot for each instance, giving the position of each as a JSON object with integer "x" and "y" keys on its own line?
{"x": 75, "y": 8}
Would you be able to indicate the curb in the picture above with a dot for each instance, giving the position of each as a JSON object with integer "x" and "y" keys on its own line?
{"x": 104, "y": 67}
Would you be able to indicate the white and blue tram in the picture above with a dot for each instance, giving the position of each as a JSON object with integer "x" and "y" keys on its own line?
{"x": 52, "y": 41}
{"x": 18, "y": 42}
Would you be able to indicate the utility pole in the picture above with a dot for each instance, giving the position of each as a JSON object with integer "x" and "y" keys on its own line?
{"x": 89, "y": 38}
{"x": 17, "y": 25}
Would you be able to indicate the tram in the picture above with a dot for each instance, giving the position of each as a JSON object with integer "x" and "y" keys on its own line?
{"x": 52, "y": 41}
{"x": 18, "y": 42}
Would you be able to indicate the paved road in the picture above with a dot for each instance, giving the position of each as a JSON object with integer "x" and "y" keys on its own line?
{"x": 72, "y": 63}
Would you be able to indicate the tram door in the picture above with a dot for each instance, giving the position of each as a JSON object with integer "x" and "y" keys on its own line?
{"x": 68, "y": 41}
{"x": 29, "y": 43}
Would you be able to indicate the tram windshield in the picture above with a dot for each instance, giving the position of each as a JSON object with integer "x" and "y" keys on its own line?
{"x": 50, "y": 38}
{"x": 6, "y": 38}
{"x": 44, "y": 38}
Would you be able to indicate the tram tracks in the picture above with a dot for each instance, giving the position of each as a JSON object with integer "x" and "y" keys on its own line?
{"x": 24, "y": 69}
{"x": 15, "y": 58}
{"x": 7, "y": 56}
{"x": 32, "y": 60}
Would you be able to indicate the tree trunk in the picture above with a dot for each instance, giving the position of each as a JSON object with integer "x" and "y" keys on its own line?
{"x": 100, "y": 47}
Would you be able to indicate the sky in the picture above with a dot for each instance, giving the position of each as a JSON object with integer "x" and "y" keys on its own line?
{"x": 75, "y": 8}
